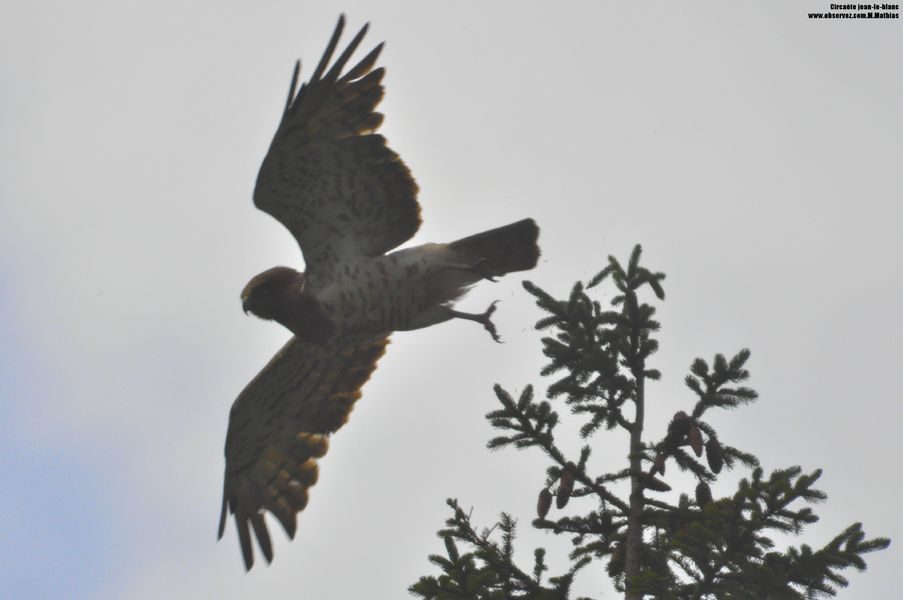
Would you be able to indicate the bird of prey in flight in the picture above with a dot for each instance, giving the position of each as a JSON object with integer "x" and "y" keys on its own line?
{"x": 348, "y": 200}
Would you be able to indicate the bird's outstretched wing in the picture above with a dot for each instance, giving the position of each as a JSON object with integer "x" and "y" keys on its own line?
{"x": 278, "y": 428}
{"x": 328, "y": 177}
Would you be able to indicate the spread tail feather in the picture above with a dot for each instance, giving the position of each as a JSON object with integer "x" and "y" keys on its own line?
{"x": 505, "y": 249}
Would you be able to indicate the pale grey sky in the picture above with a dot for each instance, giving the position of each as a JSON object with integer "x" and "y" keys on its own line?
{"x": 755, "y": 154}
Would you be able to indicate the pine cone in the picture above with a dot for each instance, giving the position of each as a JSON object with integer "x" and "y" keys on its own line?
{"x": 605, "y": 522}
{"x": 544, "y": 503}
{"x": 565, "y": 487}
{"x": 616, "y": 564}
{"x": 679, "y": 425}
{"x": 714, "y": 455}
{"x": 653, "y": 483}
{"x": 659, "y": 465}
{"x": 703, "y": 494}
{"x": 695, "y": 437}
{"x": 671, "y": 443}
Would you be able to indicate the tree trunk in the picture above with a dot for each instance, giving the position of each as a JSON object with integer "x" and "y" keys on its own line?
{"x": 634, "y": 540}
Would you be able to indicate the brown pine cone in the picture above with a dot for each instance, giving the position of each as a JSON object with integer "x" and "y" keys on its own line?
{"x": 565, "y": 487}
{"x": 714, "y": 455}
{"x": 544, "y": 503}
{"x": 695, "y": 437}
{"x": 605, "y": 522}
{"x": 653, "y": 483}
{"x": 616, "y": 564}
{"x": 703, "y": 494}
{"x": 658, "y": 467}
{"x": 679, "y": 425}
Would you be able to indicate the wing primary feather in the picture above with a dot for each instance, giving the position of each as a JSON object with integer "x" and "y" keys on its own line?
{"x": 293, "y": 86}
{"x": 287, "y": 519}
{"x": 244, "y": 538}
{"x": 364, "y": 65}
{"x": 336, "y": 69}
{"x": 263, "y": 536}
{"x": 222, "y": 514}
{"x": 327, "y": 55}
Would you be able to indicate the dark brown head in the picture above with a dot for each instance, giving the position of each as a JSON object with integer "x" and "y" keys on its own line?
{"x": 269, "y": 295}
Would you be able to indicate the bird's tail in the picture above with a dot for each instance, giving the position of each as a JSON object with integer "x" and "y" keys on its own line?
{"x": 505, "y": 249}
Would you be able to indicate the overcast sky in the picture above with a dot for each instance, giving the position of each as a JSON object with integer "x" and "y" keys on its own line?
{"x": 755, "y": 154}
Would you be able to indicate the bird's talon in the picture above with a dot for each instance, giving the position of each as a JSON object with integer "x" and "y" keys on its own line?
{"x": 488, "y": 324}
{"x": 484, "y": 318}
{"x": 484, "y": 271}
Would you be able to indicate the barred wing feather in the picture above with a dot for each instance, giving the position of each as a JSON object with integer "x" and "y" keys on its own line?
{"x": 328, "y": 177}
{"x": 278, "y": 428}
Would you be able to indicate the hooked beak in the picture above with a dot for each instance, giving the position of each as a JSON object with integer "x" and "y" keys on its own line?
{"x": 244, "y": 304}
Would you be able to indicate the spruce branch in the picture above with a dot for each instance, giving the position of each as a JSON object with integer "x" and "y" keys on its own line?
{"x": 533, "y": 423}
{"x": 488, "y": 572}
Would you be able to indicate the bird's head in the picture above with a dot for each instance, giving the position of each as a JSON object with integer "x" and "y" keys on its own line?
{"x": 268, "y": 294}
